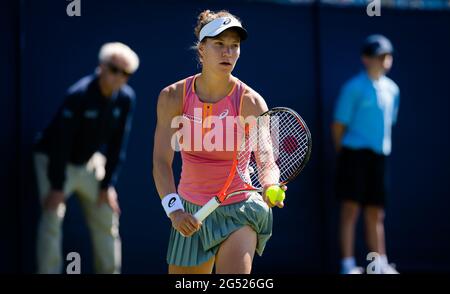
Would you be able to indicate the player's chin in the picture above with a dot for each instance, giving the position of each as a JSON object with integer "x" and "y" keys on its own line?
{"x": 226, "y": 67}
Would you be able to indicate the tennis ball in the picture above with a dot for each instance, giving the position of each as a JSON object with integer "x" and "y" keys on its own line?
{"x": 275, "y": 193}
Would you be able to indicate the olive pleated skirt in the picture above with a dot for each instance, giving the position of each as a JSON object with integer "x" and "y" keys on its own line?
{"x": 204, "y": 244}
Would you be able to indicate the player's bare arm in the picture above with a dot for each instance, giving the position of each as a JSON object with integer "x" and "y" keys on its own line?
{"x": 170, "y": 101}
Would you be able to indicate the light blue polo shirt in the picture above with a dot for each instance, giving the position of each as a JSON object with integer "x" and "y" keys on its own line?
{"x": 369, "y": 109}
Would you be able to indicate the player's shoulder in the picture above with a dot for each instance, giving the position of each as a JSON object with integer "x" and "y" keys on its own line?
{"x": 172, "y": 94}
{"x": 173, "y": 91}
{"x": 251, "y": 95}
{"x": 252, "y": 102}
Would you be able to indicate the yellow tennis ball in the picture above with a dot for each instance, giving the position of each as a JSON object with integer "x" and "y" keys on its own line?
{"x": 275, "y": 193}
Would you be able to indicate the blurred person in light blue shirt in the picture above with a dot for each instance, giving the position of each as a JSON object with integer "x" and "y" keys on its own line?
{"x": 365, "y": 112}
{"x": 368, "y": 108}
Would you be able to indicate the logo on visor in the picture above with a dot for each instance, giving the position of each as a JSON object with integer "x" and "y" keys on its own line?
{"x": 227, "y": 21}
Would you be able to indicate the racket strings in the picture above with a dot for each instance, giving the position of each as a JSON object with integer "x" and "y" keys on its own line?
{"x": 292, "y": 143}
{"x": 274, "y": 149}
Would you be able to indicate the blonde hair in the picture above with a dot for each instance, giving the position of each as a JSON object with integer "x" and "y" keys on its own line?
{"x": 119, "y": 49}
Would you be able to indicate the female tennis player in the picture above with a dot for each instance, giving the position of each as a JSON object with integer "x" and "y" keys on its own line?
{"x": 229, "y": 237}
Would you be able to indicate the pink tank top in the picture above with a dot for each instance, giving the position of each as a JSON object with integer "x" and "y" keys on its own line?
{"x": 207, "y": 157}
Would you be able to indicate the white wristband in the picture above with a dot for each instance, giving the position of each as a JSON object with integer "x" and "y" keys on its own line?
{"x": 172, "y": 202}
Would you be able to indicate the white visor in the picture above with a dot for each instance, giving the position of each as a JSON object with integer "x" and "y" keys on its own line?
{"x": 219, "y": 25}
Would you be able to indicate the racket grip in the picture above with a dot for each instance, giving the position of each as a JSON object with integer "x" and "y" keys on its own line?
{"x": 207, "y": 209}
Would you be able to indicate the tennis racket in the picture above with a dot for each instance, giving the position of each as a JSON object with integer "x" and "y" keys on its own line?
{"x": 273, "y": 151}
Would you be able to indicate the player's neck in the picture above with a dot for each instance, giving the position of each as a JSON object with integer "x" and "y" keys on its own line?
{"x": 211, "y": 87}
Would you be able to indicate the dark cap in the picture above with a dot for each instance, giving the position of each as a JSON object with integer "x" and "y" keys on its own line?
{"x": 376, "y": 45}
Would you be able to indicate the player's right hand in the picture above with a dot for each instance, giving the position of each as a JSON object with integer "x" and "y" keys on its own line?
{"x": 53, "y": 199}
{"x": 184, "y": 222}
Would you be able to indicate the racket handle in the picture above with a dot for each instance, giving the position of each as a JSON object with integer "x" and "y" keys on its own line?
{"x": 207, "y": 209}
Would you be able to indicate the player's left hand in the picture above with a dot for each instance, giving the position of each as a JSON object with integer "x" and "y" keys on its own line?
{"x": 109, "y": 196}
{"x": 279, "y": 204}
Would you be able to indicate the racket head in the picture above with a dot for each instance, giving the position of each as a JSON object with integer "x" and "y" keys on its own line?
{"x": 275, "y": 149}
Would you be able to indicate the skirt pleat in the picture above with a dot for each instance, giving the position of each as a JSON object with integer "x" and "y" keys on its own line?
{"x": 204, "y": 244}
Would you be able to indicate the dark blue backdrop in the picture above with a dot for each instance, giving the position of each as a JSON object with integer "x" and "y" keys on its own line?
{"x": 296, "y": 56}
